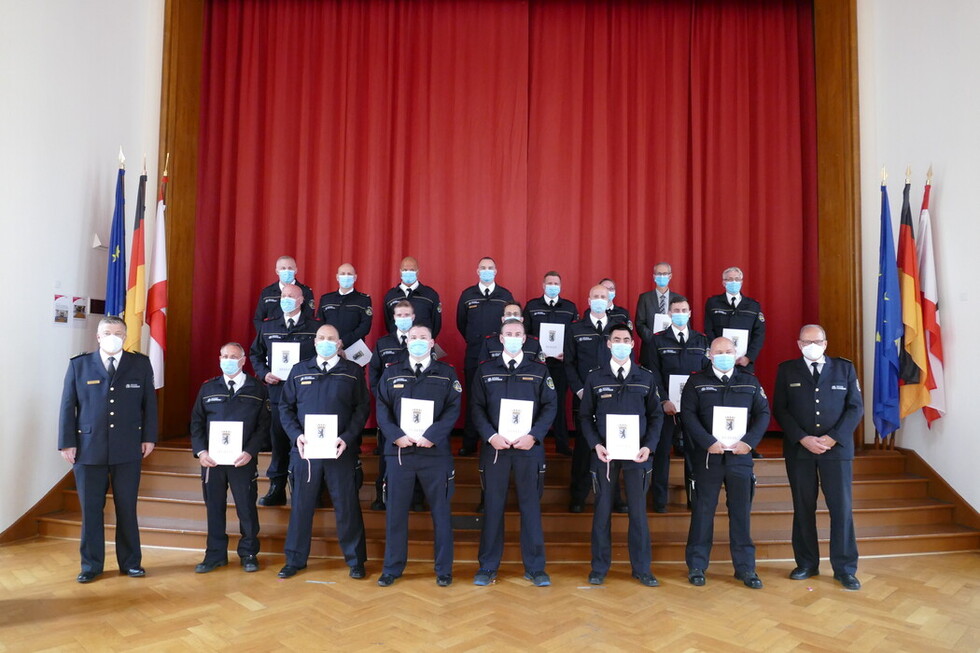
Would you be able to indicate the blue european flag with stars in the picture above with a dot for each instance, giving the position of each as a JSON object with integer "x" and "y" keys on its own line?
{"x": 888, "y": 330}
{"x": 115, "y": 283}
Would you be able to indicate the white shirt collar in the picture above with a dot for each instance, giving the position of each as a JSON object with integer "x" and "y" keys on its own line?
{"x": 105, "y": 358}
{"x": 484, "y": 288}
{"x": 425, "y": 362}
{"x": 294, "y": 318}
{"x": 686, "y": 331}
{"x": 720, "y": 374}
{"x": 239, "y": 380}
{"x": 401, "y": 334}
{"x": 614, "y": 366}
{"x": 405, "y": 288}
{"x": 737, "y": 297}
{"x": 506, "y": 358}
{"x": 345, "y": 291}
{"x": 549, "y": 301}
{"x": 820, "y": 362}
{"x": 331, "y": 362}
{"x": 595, "y": 320}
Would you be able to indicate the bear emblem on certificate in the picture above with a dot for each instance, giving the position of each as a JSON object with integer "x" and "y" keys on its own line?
{"x": 514, "y": 420}
{"x": 623, "y": 436}
{"x": 552, "y": 338}
{"x": 728, "y": 424}
{"x": 739, "y": 338}
{"x": 321, "y": 437}
{"x": 225, "y": 442}
{"x": 282, "y": 358}
{"x": 416, "y": 416}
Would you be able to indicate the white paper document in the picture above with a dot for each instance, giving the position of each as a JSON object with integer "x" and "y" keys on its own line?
{"x": 514, "y": 420}
{"x": 225, "y": 442}
{"x": 358, "y": 353}
{"x": 416, "y": 417}
{"x": 661, "y": 322}
{"x": 321, "y": 436}
{"x": 675, "y": 388}
{"x": 622, "y": 436}
{"x": 740, "y": 338}
{"x": 552, "y": 338}
{"x": 728, "y": 424}
{"x": 282, "y": 358}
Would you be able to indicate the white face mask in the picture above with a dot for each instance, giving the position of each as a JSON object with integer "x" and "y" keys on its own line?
{"x": 111, "y": 344}
{"x": 813, "y": 351}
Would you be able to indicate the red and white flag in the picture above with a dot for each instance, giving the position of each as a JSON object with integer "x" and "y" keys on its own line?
{"x": 936, "y": 407}
{"x": 156, "y": 296}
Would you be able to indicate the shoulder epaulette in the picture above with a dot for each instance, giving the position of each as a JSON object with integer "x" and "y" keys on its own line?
{"x": 84, "y": 353}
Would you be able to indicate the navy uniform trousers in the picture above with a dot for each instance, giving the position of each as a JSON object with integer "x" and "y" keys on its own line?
{"x": 739, "y": 484}
{"x": 834, "y": 475}
{"x": 636, "y": 480}
{"x": 243, "y": 482}
{"x": 92, "y": 483}
{"x": 495, "y": 470}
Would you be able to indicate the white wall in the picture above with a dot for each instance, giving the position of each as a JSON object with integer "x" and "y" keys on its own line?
{"x": 920, "y": 106}
{"x": 77, "y": 80}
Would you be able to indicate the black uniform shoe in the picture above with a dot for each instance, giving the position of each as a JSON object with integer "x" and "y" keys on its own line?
{"x": 377, "y": 504}
{"x": 289, "y": 571}
{"x": 647, "y": 579}
{"x": 465, "y": 451}
{"x": 209, "y": 565}
{"x": 135, "y": 572}
{"x": 276, "y": 496}
{"x": 575, "y": 507}
{"x": 595, "y": 578}
{"x": 802, "y": 573}
{"x": 357, "y": 572}
{"x": 849, "y": 581}
{"x": 660, "y": 509}
{"x": 386, "y": 580}
{"x": 539, "y": 578}
{"x": 750, "y": 579}
{"x": 445, "y": 580}
{"x": 696, "y": 577}
{"x": 250, "y": 563}
{"x": 87, "y": 576}
{"x": 621, "y": 508}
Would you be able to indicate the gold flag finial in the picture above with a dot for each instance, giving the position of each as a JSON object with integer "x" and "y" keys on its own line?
{"x": 908, "y": 174}
{"x": 166, "y": 165}
{"x": 122, "y": 159}
{"x": 929, "y": 176}
{"x": 884, "y": 175}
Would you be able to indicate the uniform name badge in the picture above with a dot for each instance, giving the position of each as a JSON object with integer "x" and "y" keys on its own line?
{"x": 622, "y": 436}
{"x": 552, "y": 339}
{"x": 282, "y": 358}
{"x": 728, "y": 424}
{"x": 358, "y": 353}
{"x": 416, "y": 417}
{"x": 225, "y": 442}
{"x": 661, "y": 322}
{"x": 321, "y": 437}
{"x": 739, "y": 338}
{"x": 675, "y": 388}
{"x": 514, "y": 421}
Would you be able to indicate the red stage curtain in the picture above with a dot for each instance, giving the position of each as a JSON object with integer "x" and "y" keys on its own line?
{"x": 591, "y": 137}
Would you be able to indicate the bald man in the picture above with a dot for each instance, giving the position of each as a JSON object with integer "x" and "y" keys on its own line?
{"x": 425, "y": 300}
{"x": 347, "y": 308}
{"x": 268, "y": 304}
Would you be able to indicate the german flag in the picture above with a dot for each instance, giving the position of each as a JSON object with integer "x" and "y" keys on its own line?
{"x": 136, "y": 289}
{"x": 913, "y": 365}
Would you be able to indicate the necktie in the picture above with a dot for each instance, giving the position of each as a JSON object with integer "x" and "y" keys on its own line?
{"x": 816, "y": 373}
{"x": 724, "y": 379}
{"x": 404, "y": 338}
{"x": 486, "y": 293}
{"x": 663, "y": 304}
{"x": 551, "y": 303}
{"x": 734, "y": 306}
{"x": 290, "y": 323}
{"x": 512, "y": 364}
{"x": 408, "y": 293}
{"x": 324, "y": 367}
{"x": 622, "y": 374}
{"x": 680, "y": 338}
{"x": 111, "y": 369}
{"x": 418, "y": 370}
{"x": 231, "y": 388}
{"x": 598, "y": 326}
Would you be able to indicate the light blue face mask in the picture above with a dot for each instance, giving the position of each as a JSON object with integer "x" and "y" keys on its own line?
{"x": 513, "y": 344}
{"x": 723, "y": 362}
{"x": 612, "y": 296}
{"x": 680, "y": 320}
{"x": 403, "y": 324}
{"x": 287, "y": 304}
{"x": 487, "y": 276}
{"x": 229, "y": 366}
{"x": 551, "y": 290}
{"x": 598, "y": 305}
{"x": 409, "y": 277}
{"x": 345, "y": 280}
{"x": 326, "y": 348}
{"x": 661, "y": 280}
{"x": 418, "y": 348}
{"x": 733, "y": 287}
{"x": 621, "y": 350}
{"x": 286, "y": 276}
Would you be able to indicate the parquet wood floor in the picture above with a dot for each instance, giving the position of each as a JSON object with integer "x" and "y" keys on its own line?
{"x": 910, "y": 603}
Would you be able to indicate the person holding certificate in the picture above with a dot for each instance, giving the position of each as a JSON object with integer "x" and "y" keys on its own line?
{"x": 514, "y": 404}
{"x": 229, "y": 424}
{"x": 418, "y": 404}
{"x": 280, "y": 343}
{"x": 621, "y": 418}
{"x": 347, "y": 308}
{"x": 324, "y": 407}
{"x": 818, "y": 403}
{"x": 492, "y": 348}
{"x": 739, "y": 318}
{"x": 548, "y": 317}
{"x": 725, "y": 413}
{"x": 673, "y": 355}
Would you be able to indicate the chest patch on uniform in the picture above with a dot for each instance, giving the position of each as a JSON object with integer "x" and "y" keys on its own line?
{"x": 668, "y": 351}
{"x": 527, "y": 378}
{"x": 605, "y": 388}
{"x": 133, "y": 385}
{"x": 492, "y": 379}
{"x": 93, "y": 382}
{"x": 306, "y": 382}
{"x": 605, "y": 396}
{"x": 398, "y": 385}
{"x": 211, "y": 400}
{"x": 838, "y": 387}
{"x": 795, "y": 385}
{"x": 707, "y": 388}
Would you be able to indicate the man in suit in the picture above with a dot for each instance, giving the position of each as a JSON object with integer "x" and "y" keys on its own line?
{"x": 108, "y": 424}
{"x": 325, "y": 384}
{"x": 268, "y": 305}
{"x": 478, "y": 313}
{"x": 424, "y": 458}
{"x": 818, "y": 403}
{"x": 424, "y": 299}
{"x": 652, "y": 303}
{"x": 295, "y": 325}
{"x": 347, "y": 308}
{"x": 231, "y": 397}
{"x": 723, "y": 386}
{"x": 513, "y": 376}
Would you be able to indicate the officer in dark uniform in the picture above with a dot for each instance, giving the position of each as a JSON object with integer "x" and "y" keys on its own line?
{"x": 733, "y": 310}
{"x": 677, "y": 350}
{"x": 512, "y": 376}
{"x": 232, "y": 397}
{"x": 617, "y": 314}
{"x": 585, "y": 350}
{"x": 649, "y": 305}
{"x": 478, "y": 314}
{"x": 297, "y": 324}
{"x": 492, "y": 347}
{"x": 268, "y": 305}
{"x": 722, "y": 385}
{"x": 425, "y": 300}
{"x": 818, "y": 403}
{"x": 108, "y": 424}
{"x": 325, "y": 385}
{"x": 621, "y": 388}
{"x": 347, "y": 308}
{"x": 554, "y": 309}
{"x": 426, "y": 458}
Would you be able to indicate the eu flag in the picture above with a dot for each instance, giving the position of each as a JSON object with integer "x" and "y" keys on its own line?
{"x": 115, "y": 282}
{"x": 889, "y": 329}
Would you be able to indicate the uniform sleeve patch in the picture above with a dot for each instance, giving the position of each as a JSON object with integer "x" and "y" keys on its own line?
{"x": 549, "y": 383}
{"x": 439, "y": 308}
{"x": 762, "y": 318}
{"x": 457, "y": 387}
{"x": 368, "y": 311}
